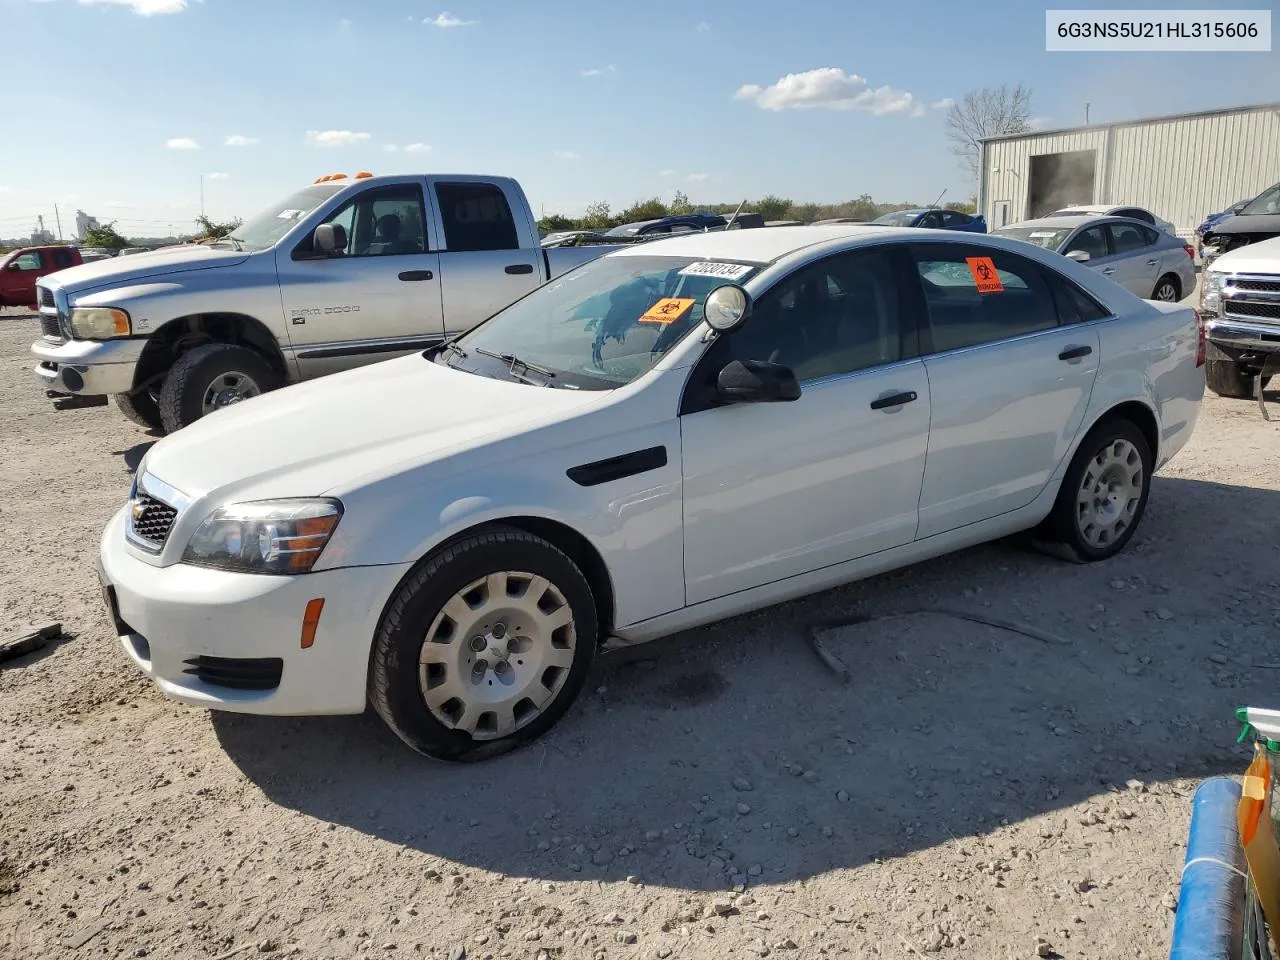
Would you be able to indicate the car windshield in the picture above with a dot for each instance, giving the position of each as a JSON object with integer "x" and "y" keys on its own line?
{"x": 266, "y": 229}
{"x": 899, "y": 218}
{"x": 1048, "y": 237}
{"x": 597, "y": 327}
{"x": 1267, "y": 202}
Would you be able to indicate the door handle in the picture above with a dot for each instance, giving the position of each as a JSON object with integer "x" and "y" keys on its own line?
{"x": 1108, "y": 270}
{"x": 1152, "y": 263}
{"x": 417, "y": 275}
{"x": 893, "y": 400}
{"x": 1075, "y": 353}
{"x": 520, "y": 268}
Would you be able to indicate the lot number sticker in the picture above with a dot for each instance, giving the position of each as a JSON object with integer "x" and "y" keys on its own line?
{"x": 984, "y": 274}
{"x": 726, "y": 271}
{"x": 668, "y": 310}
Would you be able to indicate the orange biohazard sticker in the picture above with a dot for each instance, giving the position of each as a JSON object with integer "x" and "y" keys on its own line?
{"x": 984, "y": 274}
{"x": 668, "y": 310}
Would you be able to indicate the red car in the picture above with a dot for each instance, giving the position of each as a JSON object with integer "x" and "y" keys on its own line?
{"x": 19, "y": 270}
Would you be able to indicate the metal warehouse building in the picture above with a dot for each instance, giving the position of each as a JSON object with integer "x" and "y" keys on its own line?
{"x": 1181, "y": 168}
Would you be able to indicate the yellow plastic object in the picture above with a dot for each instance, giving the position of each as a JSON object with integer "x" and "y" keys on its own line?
{"x": 363, "y": 175}
{"x": 1258, "y": 835}
{"x": 337, "y": 176}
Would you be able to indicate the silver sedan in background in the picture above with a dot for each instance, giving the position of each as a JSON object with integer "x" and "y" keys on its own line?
{"x": 1149, "y": 263}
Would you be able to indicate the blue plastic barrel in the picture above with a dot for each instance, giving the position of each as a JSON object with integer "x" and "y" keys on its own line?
{"x": 1208, "y": 925}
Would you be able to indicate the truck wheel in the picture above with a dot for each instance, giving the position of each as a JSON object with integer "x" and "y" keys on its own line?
{"x": 1103, "y": 494}
{"x": 210, "y": 377}
{"x": 484, "y": 647}
{"x": 1227, "y": 378}
{"x": 142, "y": 408}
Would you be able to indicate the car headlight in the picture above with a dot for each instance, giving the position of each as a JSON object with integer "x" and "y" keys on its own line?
{"x": 265, "y": 536}
{"x": 1211, "y": 293}
{"x": 99, "y": 323}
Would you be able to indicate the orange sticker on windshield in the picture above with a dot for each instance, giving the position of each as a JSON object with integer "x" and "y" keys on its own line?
{"x": 668, "y": 310}
{"x": 984, "y": 274}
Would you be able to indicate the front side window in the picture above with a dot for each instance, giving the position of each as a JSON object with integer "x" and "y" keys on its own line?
{"x": 1092, "y": 241}
{"x": 1127, "y": 237}
{"x": 382, "y": 222}
{"x": 476, "y": 216}
{"x": 600, "y": 326}
{"x": 27, "y": 261}
{"x": 977, "y": 295}
{"x": 834, "y": 317}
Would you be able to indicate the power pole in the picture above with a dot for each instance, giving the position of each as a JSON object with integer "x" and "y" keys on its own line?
{"x": 58, "y": 217}
{"x": 1086, "y": 114}
{"x": 202, "y": 194}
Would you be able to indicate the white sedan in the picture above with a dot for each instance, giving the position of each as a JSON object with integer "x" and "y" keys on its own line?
{"x": 675, "y": 433}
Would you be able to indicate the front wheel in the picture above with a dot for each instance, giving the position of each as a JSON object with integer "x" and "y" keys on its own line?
{"x": 210, "y": 377}
{"x": 1103, "y": 494}
{"x": 1229, "y": 378}
{"x": 484, "y": 647}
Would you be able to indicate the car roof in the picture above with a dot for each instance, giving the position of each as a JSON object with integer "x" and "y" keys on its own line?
{"x": 1057, "y": 223}
{"x": 759, "y": 245}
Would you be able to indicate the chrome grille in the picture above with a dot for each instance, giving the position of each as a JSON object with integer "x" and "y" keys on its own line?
{"x": 50, "y": 327}
{"x": 151, "y": 519}
{"x": 1251, "y": 297}
{"x": 1248, "y": 283}
{"x": 1247, "y": 308}
{"x": 46, "y": 297}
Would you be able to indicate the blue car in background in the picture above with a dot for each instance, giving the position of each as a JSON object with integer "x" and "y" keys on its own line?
{"x": 1213, "y": 219}
{"x": 935, "y": 218}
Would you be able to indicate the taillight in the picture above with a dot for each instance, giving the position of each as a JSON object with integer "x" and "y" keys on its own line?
{"x": 1200, "y": 340}
{"x": 1191, "y": 251}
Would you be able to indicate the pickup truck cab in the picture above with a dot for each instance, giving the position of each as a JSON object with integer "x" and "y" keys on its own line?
{"x": 344, "y": 272}
{"x": 20, "y": 269}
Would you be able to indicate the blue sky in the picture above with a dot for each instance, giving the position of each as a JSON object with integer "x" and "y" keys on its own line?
{"x": 130, "y": 101}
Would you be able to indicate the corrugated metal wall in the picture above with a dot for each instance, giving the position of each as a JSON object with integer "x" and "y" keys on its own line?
{"x": 1181, "y": 169}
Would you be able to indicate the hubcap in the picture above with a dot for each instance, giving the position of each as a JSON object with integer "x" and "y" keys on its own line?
{"x": 1109, "y": 493}
{"x": 227, "y": 389}
{"x": 1167, "y": 293}
{"x": 497, "y": 654}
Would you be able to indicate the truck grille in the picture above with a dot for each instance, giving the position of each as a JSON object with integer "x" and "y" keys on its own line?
{"x": 50, "y": 327}
{"x": 46, "y": 297}
{"x": 151, "y": 519}
{"x": 1251, "y": 297}
{"x": 238, "y": 673}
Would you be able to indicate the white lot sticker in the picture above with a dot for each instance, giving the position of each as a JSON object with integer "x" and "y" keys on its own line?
{"x": 1040, "y": 234}
{"x": 704, "y": 268}
{"x": 288, "y": 214}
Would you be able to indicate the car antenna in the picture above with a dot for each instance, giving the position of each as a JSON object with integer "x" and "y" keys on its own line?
{"x": 934, "y": 205}
{"x": 735, "y": 214}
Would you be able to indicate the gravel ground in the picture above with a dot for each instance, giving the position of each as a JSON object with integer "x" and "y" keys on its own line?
{"x": 716, "y": 794}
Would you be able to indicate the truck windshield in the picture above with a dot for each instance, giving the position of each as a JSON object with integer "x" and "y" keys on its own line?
{"x": 1048, "y": 237}
{"x": 266, "y": 229}
{"x": 600, "y": 326}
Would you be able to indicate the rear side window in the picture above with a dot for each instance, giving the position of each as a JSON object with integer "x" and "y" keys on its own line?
{"x": 1137, "y": 214}
{"x": 1074, "y": 305}
{"x": 953, "y": 218}
{"x": 476, "y": 216}
{"x": 61, "y": 259}
{"x": 976, "y": 295}
{"x": 1128, "y": 237}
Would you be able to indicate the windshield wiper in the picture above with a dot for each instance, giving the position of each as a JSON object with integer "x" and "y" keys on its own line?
{"x": 239, "y": 244}
{"x": 512, "y": 361}
{"x": 452, "y": 347}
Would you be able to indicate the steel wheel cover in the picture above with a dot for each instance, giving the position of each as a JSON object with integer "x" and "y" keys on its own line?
{"x": 1109, "y": 493}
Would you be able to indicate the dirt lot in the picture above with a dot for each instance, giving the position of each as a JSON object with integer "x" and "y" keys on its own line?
{"x": 968, "y": 793}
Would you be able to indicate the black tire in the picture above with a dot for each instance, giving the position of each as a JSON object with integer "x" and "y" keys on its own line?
{"x": 1230, "y": 379}
{"x": 394, "y": 688}
{"x": 1170, "y": 283}
{"x": 1061, "y": 532}
{"x": 142, "y": 408}
{"x": 194, "y": 373}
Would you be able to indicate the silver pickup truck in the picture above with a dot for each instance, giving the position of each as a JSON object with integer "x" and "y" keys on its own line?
{"x": 344, "y": 272}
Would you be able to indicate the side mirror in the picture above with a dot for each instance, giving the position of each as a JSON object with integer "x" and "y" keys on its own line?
{"x": 755, "y": 381}
{"x": 329, "y": 239}
{"x": 1079, "y": 256}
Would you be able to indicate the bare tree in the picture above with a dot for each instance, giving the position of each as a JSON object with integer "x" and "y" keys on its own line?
{"x": 989, "y": 112}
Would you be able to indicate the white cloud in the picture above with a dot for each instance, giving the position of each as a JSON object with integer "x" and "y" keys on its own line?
{"x": 828, "y": 87}
{"x": 335, "y": 138}
{"x": 946, "y": 103}
{"x": 218, "y": 176}
{"x": 239, "y": 140}
{"x": 390, "y": 148}
{"x": 343, "y": 24}
{"x": 119, "y": 205}
{"x": 697, "y": 177}
{"x": 667, "y": 172}
{"x": 182, "y": 143}
{"x": 703, "y": 27}
{"x": 567, "y": 155}
{"x": 447, "y": 20}
{"x": 144, "y": 8}
{"x": 418, "y": 148}
{"x": 598, "y": 71}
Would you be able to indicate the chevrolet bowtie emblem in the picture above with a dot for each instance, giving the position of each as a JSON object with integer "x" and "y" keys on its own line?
{"x": 136, "y": 510}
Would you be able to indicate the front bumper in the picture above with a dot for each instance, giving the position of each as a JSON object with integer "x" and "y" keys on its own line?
{"x": 183, "y": 625}
{"x": 1241, "y": 333}
{"x": 87, "y": 367}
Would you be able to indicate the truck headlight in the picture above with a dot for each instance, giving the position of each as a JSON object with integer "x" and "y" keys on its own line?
{"x": 99, "y": 323}
{"x": 265, "y": 536}
{"x": 1211, "y": 293}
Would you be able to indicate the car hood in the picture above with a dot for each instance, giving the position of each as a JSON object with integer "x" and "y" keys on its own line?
{"x": 1261, "y": 257}
{"x": 115, "y": 271}
{"x": 327, "y": 434}
{"x": 1249, "y": 223}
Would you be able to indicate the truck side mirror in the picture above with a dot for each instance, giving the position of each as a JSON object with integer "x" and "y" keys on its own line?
{"x": 329, "y": 239}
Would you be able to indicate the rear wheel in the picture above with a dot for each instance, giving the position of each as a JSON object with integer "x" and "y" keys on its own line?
{"x": 1168, "y": 289}
{"x": 484, "y": 647}
{"x": 1229, "y": 378}
{"x": 209, "y": 378}
{"x": 1103, "y": 495}
{"x": 143, "y": 408}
